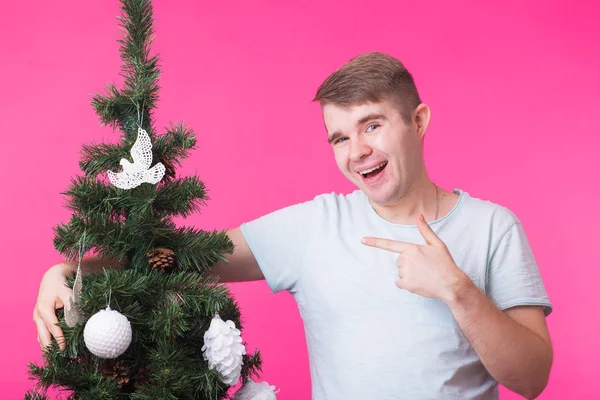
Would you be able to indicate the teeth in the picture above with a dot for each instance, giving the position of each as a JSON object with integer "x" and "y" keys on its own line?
{"x": 366, "y": 171}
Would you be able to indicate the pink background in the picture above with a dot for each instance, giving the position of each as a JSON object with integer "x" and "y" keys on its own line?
{"x": 515, "y": 93}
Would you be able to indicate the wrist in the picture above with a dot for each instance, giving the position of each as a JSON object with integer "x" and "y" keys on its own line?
{"x": 64, "y": 268}
{"x": 461, "y": 289}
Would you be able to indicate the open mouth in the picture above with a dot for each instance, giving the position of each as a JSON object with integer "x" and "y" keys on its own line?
{"x": 373, "y": 172}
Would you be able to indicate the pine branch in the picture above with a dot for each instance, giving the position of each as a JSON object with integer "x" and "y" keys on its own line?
{"x": 139, "y": 69}
{"x": 34, "y": 395}
{"x": 60, "y": 371}
{"x": 110, "y": 238}
{"x": 175, "y": 144}
{"x": 112, "y": 107}
{"x": 125, "y": 108}
{"x": 88, "y": 196}
{"x": 98, "y": 158}
{"x": 198, "y": 250}
{"x": 181, "y": 197}
{"x": 251, "y": 366}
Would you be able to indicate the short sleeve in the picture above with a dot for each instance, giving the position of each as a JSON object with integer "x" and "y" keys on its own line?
{"x": 513, "y": 275}
{"x": 279, "y": 240}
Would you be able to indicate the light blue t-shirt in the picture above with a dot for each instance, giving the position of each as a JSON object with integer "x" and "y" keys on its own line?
{"x": 368, "y": 339}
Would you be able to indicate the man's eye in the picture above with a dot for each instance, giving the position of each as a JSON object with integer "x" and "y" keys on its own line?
{"x": 372, "y": 127}
{"x": 340, "y": 140}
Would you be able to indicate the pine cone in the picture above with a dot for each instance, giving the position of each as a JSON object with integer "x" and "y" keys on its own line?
{"x": 169, "y": 170}
{"x": 143, "y": 377}
{"x": 116, "y": 371}
{"x": 161, "y": 259}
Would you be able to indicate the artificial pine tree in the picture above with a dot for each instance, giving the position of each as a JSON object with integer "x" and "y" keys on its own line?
{"x": 161, "y": 291}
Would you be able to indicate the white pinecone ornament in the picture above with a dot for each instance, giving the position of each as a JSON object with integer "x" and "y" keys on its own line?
{"x": 107, "y": 334}
{"x": 223, "y": 349}
{"x": 256, "y": 391}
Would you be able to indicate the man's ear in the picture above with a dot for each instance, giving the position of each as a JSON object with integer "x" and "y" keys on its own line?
{"x": 420, "y": 119}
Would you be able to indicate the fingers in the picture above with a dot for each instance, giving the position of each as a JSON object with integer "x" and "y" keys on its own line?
{"x": 401, "y": 283}
{"x": 46, "y": 324}
{"x": 401, "y": 272}
{"x": 400, "y": 247}
{"x": 426, "y": 231}
{"x": 58, "y": 335}
{"x": 43, "y": 333}
{"x": 64, "y": 300}
{"x": 386, "y": 244}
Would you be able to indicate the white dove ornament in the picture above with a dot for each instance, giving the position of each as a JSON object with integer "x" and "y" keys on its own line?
{"x": 138, "y": 172}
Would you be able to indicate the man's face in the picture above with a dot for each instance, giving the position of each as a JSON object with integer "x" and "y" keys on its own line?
{"x": 375, "y": 149}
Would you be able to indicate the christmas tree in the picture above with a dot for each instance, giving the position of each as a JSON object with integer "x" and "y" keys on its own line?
{"x": 160, "y": 327}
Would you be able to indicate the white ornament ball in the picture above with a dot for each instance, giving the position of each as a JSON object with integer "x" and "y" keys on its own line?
{"x": 256, "y": 391}
{"x": 107, "y": 334}
{"x": 223, "y": 349}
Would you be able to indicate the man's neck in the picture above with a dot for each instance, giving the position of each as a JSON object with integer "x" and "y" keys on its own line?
{"x": 419, "y": 199}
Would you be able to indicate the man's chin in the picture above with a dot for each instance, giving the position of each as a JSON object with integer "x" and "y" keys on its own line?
{"x": 377, "y": 197}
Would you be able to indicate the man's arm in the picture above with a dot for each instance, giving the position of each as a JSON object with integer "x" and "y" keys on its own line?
{"x": 514, "y": 346}
{"x": 53, "y": 294}
{"x": 241, "y": 265}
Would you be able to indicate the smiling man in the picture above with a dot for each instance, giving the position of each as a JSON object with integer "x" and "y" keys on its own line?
{"x": 394, "y": 307}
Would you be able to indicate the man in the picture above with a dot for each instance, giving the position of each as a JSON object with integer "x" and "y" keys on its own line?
{"x": 394, "y": 307}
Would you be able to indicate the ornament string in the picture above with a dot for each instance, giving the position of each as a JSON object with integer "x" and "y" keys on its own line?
{"x": 79, "y": 256}
{"x": 140, "y": 120}
{"x": 109, "y": 296}
{"x": 73, "y": 314}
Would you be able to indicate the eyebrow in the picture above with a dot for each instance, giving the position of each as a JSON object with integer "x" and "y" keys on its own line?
{"x": 370, "y": 117}
{"x": 363, "y": 120}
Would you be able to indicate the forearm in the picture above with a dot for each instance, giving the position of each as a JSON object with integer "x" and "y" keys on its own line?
{"x": 514, "y": 355}
{"x": 90, "y": 265}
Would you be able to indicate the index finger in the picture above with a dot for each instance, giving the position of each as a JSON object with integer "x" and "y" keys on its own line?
{"x": 386, "y": 244}
{"x": 428, "y": 234}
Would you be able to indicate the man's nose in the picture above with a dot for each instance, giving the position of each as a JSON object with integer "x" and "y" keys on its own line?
{"x": 359, "y": 148}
